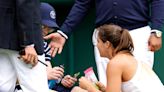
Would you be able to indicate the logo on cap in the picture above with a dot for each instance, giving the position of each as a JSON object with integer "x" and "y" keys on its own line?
{"x": 52, "y": 14}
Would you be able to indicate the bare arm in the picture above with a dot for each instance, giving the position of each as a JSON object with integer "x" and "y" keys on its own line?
{"x": 114, "y": 77}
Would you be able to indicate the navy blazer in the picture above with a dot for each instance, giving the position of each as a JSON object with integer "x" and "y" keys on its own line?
{"x": 20, "y": 24}
{"x": 129, "y": 14}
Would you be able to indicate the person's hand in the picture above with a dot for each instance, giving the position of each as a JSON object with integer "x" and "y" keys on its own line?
{"x": 101, "y": 86}
{"x": 54, "y": 73}
{"x": 68, "y": 81}
{"x": 86, "y": 84}
{"x": 30, "y": 56}
{"x": 154, "y": 42}
{"x": 56, "y": 44}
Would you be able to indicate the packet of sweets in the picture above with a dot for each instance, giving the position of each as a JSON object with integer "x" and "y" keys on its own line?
{"x": 90, "y": 75}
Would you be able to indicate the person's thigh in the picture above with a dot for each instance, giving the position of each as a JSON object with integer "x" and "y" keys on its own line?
{"x": 141, "y": 52}
{"x": 7, "y": 72}
{"x": 31, "y": 79}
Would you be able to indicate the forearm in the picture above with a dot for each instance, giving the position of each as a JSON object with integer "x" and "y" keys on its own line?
{"x": 157, "y": 19}
{"x": 77, "y": 13}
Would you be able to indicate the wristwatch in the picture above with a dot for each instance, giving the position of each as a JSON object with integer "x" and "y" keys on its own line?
{"x": 157, "y": 33}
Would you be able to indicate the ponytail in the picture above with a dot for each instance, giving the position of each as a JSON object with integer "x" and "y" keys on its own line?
{"x": 126, "y": 43}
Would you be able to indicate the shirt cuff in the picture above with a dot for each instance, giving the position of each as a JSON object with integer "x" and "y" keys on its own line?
{"x": 63, "y": 34}
{"x": 154, "y": 30}
{"x": 31, "y": 45}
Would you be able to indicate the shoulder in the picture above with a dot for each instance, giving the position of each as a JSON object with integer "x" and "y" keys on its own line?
{"x": 118, "y": 63}
{"x": 114, "y": 66}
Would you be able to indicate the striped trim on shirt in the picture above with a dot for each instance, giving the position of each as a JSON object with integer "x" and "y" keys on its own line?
{"x": 47, "y": 52}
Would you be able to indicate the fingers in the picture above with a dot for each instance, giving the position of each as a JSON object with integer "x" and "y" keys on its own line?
{"x": 81, "y": 82}
{"x": 158, "y": 46}
{"x": 101, "y": 86}
{"x": 29, "y": 56}
{"x": 48, "y": 36}
{"x": 55, "y": 75}
{"x": 69, "y": 78}
{"x": 68, "y": 81}
{"x": 154, "y": 43}
{"x": 30, "y": 59}
{"x": 65, "y": 83}
{"x": 35, "y": 60}
{"x": 53, "y": 51}
{"x": 57, "y": 71}
{"x": 151, "y": 48}
{"x": 60, "y": 50}
{"x": 154, "y": 47}
{"x": 82, "y": 78}
{"x": 56, "y": 44}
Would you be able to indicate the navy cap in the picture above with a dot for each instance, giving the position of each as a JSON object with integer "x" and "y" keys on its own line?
{"x": 48, "y": 15}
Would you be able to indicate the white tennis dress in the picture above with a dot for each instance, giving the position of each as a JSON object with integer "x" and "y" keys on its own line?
{"x": 144, "y": 80}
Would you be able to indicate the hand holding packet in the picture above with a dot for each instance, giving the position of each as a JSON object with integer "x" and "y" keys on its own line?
{"x": 90, "y": 75}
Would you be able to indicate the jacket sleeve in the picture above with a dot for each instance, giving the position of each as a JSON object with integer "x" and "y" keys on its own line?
{"x": 29, "y": 24}
{"x": 157, "y": 14}
{"x": 77, "y": 13}
{"x": 24, "y": 13}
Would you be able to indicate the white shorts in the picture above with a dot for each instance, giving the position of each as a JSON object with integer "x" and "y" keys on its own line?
{"x": 12, "y": 68}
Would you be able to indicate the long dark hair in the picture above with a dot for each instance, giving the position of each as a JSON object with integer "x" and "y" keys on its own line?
{"x": 117, "y": 36}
